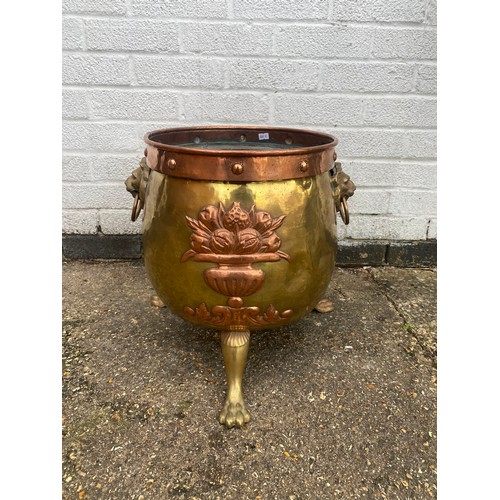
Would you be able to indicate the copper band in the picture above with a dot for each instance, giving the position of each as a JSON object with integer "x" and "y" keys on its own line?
{"x": 312, "y": 154}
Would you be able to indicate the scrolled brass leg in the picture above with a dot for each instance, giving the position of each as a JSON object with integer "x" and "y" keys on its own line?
{"x": 235, "y": 352}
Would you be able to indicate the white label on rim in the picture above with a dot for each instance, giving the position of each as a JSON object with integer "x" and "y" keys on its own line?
{"x": 263, "y": 136}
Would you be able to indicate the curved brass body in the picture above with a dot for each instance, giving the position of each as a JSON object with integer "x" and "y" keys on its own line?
{"x": 308, "y": 235}
{"x": 239, "y": 235}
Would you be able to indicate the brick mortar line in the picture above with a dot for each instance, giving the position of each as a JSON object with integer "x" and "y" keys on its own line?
{"x": 415, "y": 79}
{"x": 129, "y": 14}
{"x": 84, "y": 35}
{"x": 330, "y": 9}
{"x": 391, "y": 189}
{"x": 370, "y": 48}
{"x": 230, "y": 10}
{"x": 131, "y": 70}
{"x": 78, "y": 210}
{"x": 313, "y": 23}
{"x": 274, "y": 40}
{"x": 380, "y": 160}
{"x": 271, "y": 104}
{"x": 217, "y": 55}
{"x": 102, "y": 183}
{"x": 395, "y": 189}
{"x": 391, "y": 215}
{"x": 384, "y": 159}
{"x": 387, "y": 128}
{"x": 426, "y": 10}
{"x": 181, "y": 112}
{"x": 244, "y": 91}
{"x": 321, "y": 80}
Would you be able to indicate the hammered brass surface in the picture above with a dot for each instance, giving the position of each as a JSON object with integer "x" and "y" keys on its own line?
{"x": 308, "y": 236}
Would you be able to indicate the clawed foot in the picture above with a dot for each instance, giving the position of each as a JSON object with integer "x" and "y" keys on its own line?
{"x": 234, "y": 413}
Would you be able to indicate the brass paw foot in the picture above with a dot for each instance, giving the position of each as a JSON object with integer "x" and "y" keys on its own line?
{"x": 156, "y": 301}
{"x": 324, "y": 306}
{"x": 234, "y": 414}
{"x": 235, "y": 351}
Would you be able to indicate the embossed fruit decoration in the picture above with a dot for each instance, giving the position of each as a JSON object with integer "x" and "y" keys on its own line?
{"x": 234, "y": 232}
{"x": 236, "y": 218}
{"x": 235, "y": 239}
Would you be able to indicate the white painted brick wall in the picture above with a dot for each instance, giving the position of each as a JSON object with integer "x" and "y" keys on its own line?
{"x": 226, "y": 39}
{"x": 324, "y": 41}
{"x": 95, "y": 69}
{"x": 76, "y": 169}
{"x": 132, "y": 104}
{"x": 86, "y": 136}
{"x": 381, "y": 10}
{"x": 122, "y": 35}
{"x": 404, "y": 43}
{"x": 274, "y": 74}
{"x": 426, "y": 78}
{"x": 198, "y": 9}
{"x": 318, "y": 110}
{"x": 284, "y": 9}
{"x": 74, "y": 104}
{"x": 367, "y": 77}
{"x": 182, "y": 72}
{"x": 201, "y": 107}
{"x": 72, "y": 33}
{"x": 362, "y": 70}
{"x": 109, "y": 7}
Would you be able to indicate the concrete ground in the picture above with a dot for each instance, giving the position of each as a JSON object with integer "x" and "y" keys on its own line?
{"x": 343, "y": 404}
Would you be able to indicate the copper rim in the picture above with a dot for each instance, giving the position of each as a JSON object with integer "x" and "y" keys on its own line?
{"x": 312, "y": 155}
{"x": 188, "y": 134}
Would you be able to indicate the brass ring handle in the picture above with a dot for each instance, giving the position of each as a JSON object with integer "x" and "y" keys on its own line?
{"x": 344, "y": 210}
{"x": 136, "y": 208}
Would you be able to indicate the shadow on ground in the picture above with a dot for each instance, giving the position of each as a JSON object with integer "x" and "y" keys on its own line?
{"x": 343, "y": 404}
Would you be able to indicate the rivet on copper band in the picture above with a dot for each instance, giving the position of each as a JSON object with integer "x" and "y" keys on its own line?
{"x": 171, "y": 164}
{"x": 237, "y": 168}
{"x": 303, "y": 166}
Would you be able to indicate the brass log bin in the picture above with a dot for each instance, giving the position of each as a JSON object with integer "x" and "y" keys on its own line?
{"x": 239, "y": 230}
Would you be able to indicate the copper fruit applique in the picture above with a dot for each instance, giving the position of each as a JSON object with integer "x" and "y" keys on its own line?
{"x": 235, "y": 239}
